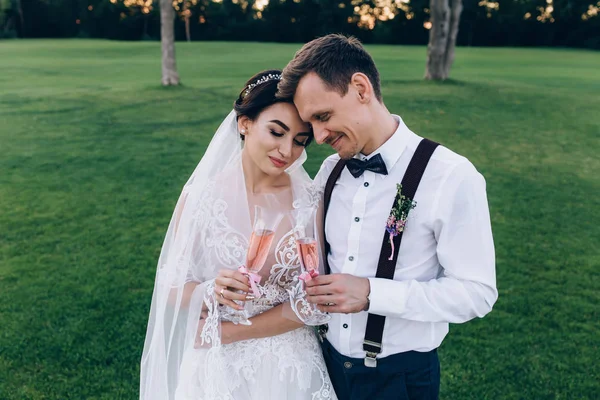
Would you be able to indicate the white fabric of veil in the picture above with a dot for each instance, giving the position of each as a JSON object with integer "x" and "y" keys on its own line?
{"x": 209, "y": 230}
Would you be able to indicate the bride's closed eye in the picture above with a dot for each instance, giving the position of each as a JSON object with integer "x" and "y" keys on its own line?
{"x": 275, "y": 133}
{"x": 297, "y": 142}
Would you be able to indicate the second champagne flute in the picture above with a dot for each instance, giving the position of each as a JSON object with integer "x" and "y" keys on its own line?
{"x": 303, "y": 222}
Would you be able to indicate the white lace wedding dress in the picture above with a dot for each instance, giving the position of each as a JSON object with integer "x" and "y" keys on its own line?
{"x": 209, "y": 231}
{"x": 288, "y": 366}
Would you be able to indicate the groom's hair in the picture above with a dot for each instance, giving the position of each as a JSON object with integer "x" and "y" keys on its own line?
{"x": 334, "y": 58}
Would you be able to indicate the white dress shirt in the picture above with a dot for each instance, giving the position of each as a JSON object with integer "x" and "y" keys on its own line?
{"x": 446, "y": 267}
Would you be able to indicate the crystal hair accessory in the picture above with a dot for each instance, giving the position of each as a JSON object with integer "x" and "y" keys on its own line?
{"x": 264, "y": 79}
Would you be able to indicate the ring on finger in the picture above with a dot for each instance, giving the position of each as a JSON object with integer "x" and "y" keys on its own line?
{"x": 221, "y": 292}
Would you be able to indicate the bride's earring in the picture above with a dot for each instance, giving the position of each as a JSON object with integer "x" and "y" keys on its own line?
{"x": 243, "y": 132}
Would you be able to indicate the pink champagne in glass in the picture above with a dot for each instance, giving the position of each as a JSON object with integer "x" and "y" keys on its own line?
{"x": 307, "y": 248}
{"x": 303, "y": 222}
{"x": 258, "y": 250}
{"x": 263, "y": 232}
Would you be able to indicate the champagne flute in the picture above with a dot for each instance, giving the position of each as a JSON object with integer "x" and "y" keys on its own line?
{"x": 265, "y": 224}
{"x": 303, "y": 222}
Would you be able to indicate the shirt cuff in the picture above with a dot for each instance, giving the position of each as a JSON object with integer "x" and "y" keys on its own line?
{"x": 387, "y": 297}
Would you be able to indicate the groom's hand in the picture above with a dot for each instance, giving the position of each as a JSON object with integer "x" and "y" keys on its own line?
{"x": 339, "y": 293}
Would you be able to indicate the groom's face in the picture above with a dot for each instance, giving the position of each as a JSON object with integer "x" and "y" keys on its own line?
{"x": 336, "y": 120}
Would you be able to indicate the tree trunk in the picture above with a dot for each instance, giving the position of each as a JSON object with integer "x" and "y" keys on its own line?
{"x": 187, "y": 14}
{"x": 187, "y": 29}
{"x": 438, "y": 37}
{"x": 445, "y": 20}
{"x": 455, "y": 12}
{"x": 167, "y": 39}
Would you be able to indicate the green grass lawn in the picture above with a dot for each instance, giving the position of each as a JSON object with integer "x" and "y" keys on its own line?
{"x": 93, "y": 154}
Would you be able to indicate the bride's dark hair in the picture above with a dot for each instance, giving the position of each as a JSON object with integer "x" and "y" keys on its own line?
{"x": 259, "y": 93}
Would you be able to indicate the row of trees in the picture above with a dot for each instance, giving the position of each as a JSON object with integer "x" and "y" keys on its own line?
{"x": 483, "y": 22}
{"x": 441, "y": 23}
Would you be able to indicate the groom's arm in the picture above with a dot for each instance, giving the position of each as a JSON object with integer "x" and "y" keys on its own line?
{"x": 465, "y": 250}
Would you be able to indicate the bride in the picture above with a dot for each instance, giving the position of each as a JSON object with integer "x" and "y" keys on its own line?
{"x": 193, "y": 350}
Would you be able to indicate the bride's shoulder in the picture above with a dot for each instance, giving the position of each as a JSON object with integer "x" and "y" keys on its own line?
{"x": 326, "y": 167}
{"x": 331, "y": 160}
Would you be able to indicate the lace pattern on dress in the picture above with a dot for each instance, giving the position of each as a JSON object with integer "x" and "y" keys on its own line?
{"x": 222, "y": 369}
{"x": 226, "y": 243}
{"x": 311, "y": 196}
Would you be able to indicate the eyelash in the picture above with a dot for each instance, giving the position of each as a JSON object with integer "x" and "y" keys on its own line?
{"x": 277, "y": 134}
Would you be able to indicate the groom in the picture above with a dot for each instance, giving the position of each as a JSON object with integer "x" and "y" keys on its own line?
{"x": 391, "y": 300}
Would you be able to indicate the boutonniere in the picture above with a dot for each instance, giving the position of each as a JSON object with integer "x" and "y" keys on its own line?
{"x": 397, "y": 219}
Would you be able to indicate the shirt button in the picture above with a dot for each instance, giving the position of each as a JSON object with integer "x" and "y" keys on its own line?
{"x": 356, "y": 219}
{"x": 351, "y": 258}
{"x": 345, "y": 326}
{"x": 347, "y": 365}
{"x": 366, "y": 184}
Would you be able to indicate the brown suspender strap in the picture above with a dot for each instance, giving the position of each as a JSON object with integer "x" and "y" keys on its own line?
{"x": 386, "y": 268}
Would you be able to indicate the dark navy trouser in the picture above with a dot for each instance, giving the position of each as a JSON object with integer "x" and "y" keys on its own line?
{"x": 404, "y": 376}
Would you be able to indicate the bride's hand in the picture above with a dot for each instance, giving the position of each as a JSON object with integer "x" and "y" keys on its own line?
{"x": 227, "y": 284}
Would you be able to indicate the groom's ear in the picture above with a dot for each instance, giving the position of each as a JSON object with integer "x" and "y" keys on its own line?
{"x": 362, "y": 85}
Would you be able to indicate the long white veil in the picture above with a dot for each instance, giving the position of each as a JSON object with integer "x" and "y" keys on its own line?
{"x": 209, "y": 230}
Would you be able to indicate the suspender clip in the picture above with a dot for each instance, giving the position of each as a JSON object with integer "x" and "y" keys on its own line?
{"x": 371, "y": 360}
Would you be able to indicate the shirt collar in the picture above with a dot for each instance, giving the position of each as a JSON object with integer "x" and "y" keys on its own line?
{"x": 393, "y": 148}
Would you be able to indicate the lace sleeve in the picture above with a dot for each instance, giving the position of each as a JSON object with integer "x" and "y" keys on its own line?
{"x": 302, "y": 309}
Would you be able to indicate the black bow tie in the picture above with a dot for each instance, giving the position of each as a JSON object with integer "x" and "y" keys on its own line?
{"x": 358, "y": 167}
